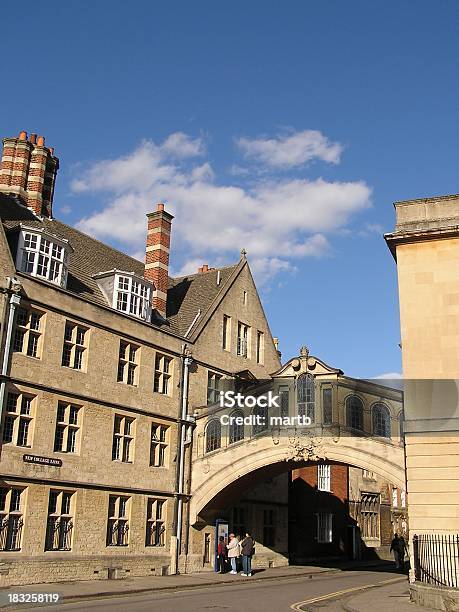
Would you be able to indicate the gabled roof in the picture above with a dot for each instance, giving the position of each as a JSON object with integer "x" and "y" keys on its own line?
{"x": 186, "y": 294}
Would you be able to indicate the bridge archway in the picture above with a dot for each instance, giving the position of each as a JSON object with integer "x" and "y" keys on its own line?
{"x": 235, "y": 466}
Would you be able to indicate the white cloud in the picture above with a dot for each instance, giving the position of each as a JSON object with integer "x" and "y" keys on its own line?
{"x": 389, "y": 375}
{"x": 278, "y": 222}
{"x": 291, "y": 150}
{"x": 181, "y": 146}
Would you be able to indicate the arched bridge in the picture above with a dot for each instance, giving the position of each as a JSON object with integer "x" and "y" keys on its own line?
{"x": 355, "y": 422}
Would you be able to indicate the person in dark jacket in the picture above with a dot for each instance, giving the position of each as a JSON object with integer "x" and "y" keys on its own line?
{"x": 398, "y": 547}
{"x": 247, "y": 550}
{"x": 221, "y": 555}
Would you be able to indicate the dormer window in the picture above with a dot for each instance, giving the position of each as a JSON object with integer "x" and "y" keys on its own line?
{"x": 43, "y": 255}
{"x": 132, "y": 296}
{"x": 126, "y": 292}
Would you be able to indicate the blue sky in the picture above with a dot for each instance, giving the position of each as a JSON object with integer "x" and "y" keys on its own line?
{"x": 285, "y": 128}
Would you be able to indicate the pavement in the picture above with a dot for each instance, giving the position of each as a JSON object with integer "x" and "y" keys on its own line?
{"x": 356, "y": 600}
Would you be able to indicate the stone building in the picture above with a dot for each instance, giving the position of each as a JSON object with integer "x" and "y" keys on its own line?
{"x": 335, "y": 488}
{"x": 425, "y": 245}
{"x": 95, "y": 347}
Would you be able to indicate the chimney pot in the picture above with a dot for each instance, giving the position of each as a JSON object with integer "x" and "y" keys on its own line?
{"x": 33, "y": 138}
{"x": 160, "y": 206}
{"x": 23, "y": 135}
{"x": 51, "y": 150}
{"x": 205, "y": 268}
{"x": 41, "y": 141}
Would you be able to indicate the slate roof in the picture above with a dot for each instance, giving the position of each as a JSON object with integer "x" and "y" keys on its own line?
{"x": 186, "y": 294}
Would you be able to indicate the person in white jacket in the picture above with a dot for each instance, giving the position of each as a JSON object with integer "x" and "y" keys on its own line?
{"x": 234, "y": 551}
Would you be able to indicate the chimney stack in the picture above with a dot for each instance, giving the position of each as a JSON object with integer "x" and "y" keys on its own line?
{"x": 157, "y": 255}
{"x": 29, "y": 170}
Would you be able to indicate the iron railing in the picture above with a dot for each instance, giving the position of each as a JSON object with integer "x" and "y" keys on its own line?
{"x": 436, "y": 559}
{"x": 59, "y": 533}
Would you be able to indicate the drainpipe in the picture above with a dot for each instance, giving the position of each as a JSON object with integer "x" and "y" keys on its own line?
{"x": 13, "y": 288}
{"x": 183, "y": 426}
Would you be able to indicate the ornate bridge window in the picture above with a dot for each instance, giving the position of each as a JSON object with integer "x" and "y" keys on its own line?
{"x": 236, "y": 431}
{"x": 261, "y": 413}
{"x": 381, "y": 420}
{"x": 213, "y": 435}
{"x": 306, "y": 396}
{"x": 354, "y": 412}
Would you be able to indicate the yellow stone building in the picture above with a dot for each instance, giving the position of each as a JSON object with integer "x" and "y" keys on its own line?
{"x": 425, "y": 244}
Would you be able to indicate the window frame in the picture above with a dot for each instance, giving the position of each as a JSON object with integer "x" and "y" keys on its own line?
{"x": 127, "y": 372}
{"x": 123, "y": 439}
{"x": 213, "y": 441}
{"x": 243, "y": 340}
{"x": 351, "y": 414}
{"x": 18, "y": 421}
{"x": 382, "y": 422}
{"x": 74, "y": 347}
{"x": 29, "y": 330}
{"x": 138, "y": 303}
{"x": 23, "y": 258}
{"x": 324, "y": 477}
{"x": 118, "y": 522}
{"x": 70, "y": 444}
{"x": 156, "y": 517}
{"x": 226, "y": 333}
{"x": 213, "y": 390}
{"x": 306, "y": 395}
{"x": 163, "y": 377}
{"x": 11, "y": 518}
{"x": 60, "y": 520}
{"x": 159, "y": 445}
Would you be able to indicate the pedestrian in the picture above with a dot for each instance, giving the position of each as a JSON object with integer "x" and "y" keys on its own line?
{"x": 247, "y": 549}
{"x": 233, "y": 552}
{"x": 403, "y": 549}
{"x": 221, "y": 555}
{"x": 396, "y": 549}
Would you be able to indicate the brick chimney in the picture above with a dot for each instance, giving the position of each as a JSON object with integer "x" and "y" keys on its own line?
{"x": 157, "y": 255}
{"x": 29, "y": 170}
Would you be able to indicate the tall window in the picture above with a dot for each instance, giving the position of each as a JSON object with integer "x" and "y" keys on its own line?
{"x": 67, "y": 428}
{"x": 226, "y": 339}
{"x": 11, "y": 520}
{"x": 324, "y": 528}
{"x": 163, "y": 374}
{"x": 213, "y": 387}
{"x": 269, "y": 528}
{"x": 132, "y": 296}
{"x": 261, "y": 423}
{"x": 213, "y": 435}
{"x": 118, "y": 521}
{"x": 369, "y": 515}
{"x": 27, "y": 334}
{"x": 306, "y": 396}
{"x": 74, "y": 346}
{"x": 354, "y": 412}
{"x": 236, "y": 429}
{"x": 155, "y": 522}
{"x": 284, "y": 396}
{"x": 242, "y": 339}
{"x": 381, "y": 420}
{"x": 244, "y": 298}
{"x": 60, "y": 521}
{"x": 260, "y": 347}
{"x": 323, "y": 477}
{"x": 158, "y": 449}
{"x": 18, "y": 419}
{"x": 395, "y": 497}
{"x": 127, "y": 363}
{"x": 327, "y": 407}
{"x": 122, "y": 439}
{"x": 44, "y": 256}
